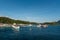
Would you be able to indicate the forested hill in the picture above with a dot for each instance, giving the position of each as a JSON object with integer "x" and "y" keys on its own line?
{"x": 11, "y": 21}
{"x": 53, "y": 23}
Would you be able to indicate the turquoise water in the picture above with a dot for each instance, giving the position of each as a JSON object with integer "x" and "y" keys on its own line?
{"x": 30, "y": 33}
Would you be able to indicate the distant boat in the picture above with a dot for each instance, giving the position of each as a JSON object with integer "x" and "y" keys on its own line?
{"x": 39, "y": 25}
{"x": 22, "y": 25}
{"x": 30, "y": 25}
{"x": 45, "y": 26}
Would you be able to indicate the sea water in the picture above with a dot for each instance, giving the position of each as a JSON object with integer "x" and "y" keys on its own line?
{"x": 30, "y": 33}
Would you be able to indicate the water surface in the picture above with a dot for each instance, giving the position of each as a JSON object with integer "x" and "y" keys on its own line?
{"x": 30, "y": 33}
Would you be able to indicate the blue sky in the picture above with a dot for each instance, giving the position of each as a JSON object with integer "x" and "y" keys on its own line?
{"x": 31, "y": 10}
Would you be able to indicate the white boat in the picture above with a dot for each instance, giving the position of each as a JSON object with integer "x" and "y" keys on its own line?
{"x": 16, "y": 27}
{"x": 45, "y": 26}
{"x": 39, "y": 25}
{"x": 30, "y": 25}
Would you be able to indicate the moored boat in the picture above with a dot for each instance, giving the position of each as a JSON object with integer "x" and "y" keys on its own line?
{"x": 39, "y": 25}
{"x": 45, "y": 26}
{"x": 30, "y": 25}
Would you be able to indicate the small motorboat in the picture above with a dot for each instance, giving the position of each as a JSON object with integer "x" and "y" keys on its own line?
{"x": 16, "y": 27}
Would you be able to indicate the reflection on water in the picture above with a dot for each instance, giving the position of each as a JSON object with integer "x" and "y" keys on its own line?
{"x": 30, "y": 33}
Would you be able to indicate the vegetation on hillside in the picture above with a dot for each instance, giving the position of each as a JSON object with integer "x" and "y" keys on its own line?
{"x": 52, "y": 23}
{"x": 11, "y": 21}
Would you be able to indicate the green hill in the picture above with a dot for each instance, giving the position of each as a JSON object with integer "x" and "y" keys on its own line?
{"x": 11, "y": 21}
{"x": 52, "y": 23}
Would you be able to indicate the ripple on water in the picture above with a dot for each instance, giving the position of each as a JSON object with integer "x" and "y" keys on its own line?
{"x": 50, "y": 33}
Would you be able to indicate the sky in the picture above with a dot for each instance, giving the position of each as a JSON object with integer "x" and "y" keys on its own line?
{"x": 31, "y": 10}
